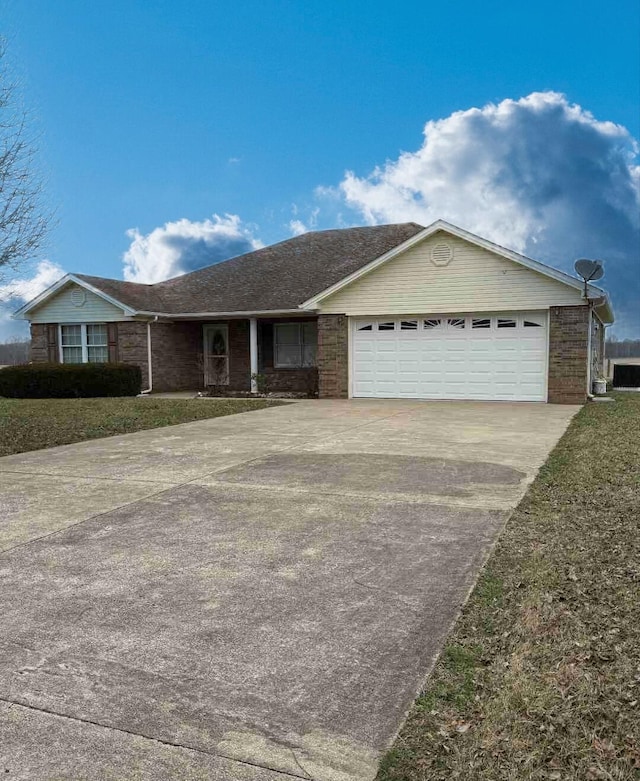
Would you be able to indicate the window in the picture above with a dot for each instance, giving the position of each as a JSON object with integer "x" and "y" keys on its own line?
{"x": 295, "y": 345}
{"x": 481, "y": 322}
{"x": 84, "y": 343}
{"x": 365, "y": 327}
{"x": 532, "y": 324}
{"x": 456, "y": 322}
{"x": 408, "y": 325}
{"x": 432, "y": 323}
{"x": 390, "y": 326}
{"x": 506, "y": 323}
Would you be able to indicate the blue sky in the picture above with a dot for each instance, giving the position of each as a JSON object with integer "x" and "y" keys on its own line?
{"x": 279, "y": 117}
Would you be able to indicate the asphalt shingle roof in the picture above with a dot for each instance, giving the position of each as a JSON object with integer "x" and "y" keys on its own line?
{"x": 278, "y": 277}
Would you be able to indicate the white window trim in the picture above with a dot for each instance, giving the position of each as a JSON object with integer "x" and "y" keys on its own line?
{"x": 301, "y": 343}
{"x": 83, "y": 341}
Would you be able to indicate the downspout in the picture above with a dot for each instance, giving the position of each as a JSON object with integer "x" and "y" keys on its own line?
{"x": 589, "y": 346}
{"x": 149, "y": 362}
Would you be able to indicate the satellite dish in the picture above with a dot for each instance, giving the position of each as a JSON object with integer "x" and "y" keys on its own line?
{"x": 589, "y": 270}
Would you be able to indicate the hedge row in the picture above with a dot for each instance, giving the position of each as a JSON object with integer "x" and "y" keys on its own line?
{"x": 70, "y": 380}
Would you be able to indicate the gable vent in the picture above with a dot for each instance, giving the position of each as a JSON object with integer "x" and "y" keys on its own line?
{"x": 78, "y": 296}
{"x": 441, "y": 254}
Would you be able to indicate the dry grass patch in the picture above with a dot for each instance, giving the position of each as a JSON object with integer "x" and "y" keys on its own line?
{"x": 31, "y": 424}
{"x": 541, "y": 676}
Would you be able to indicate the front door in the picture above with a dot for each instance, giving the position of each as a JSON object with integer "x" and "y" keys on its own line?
{"x": 216, "y": 354}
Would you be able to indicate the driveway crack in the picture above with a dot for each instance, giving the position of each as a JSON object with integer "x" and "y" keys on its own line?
{"x": 169, "y": 743}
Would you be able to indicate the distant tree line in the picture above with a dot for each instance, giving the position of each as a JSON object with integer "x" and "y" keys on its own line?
{"x": 14, "y": 351}
{"x": 627, "y": 348}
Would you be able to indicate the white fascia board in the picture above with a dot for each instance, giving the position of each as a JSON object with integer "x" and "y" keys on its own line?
{"x": 35, "y": 302}
{"x": 57, "y": 286}
{"x": 442, "y": 225}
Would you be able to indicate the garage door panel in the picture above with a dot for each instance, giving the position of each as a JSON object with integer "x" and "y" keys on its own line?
{"x": 451, "y": 359}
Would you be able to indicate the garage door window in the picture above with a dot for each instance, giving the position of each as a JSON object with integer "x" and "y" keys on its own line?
{"x": 506, "y": 323}
{"x": 389, "y": 326}
{"x": 408, "y": 325}
{"x": 432, "y": 324}
{"x": 481, "y": 322}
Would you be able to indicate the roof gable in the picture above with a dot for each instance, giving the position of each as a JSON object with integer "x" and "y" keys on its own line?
{"x": 453, "y": 230}
{"x": 446, "y": 274}
{"x": 66, "y": 281}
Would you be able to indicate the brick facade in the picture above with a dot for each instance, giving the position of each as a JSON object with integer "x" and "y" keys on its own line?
{"x": 178, "y": 356}
{"x": 568, "y": 354}
{"x": 177, "y": 350}
{"x": 39, "y": 350}
{"x": 333, "y": 357}
{"x": 176, "y": 353}
{"x": 292, "y": 380}
{"x": 132, "y": 346}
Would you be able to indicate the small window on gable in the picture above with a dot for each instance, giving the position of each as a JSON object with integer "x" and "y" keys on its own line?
{"x": 388, "y": 326}
{"x": 481, "y": 322}
{"x": 456, "y": 322}
{"x": 365, "y": 327}
{"x": 532, "y": 324}
{"x": 432, "y": 324}
{"x": 506, "y": 322}
{"x": 408, "y": 325}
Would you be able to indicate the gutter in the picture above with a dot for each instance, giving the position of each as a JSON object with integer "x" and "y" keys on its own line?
{"x": 217, "y": 315}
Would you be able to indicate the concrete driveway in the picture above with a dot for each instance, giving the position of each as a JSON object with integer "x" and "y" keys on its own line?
{"x": 254, "y": 597}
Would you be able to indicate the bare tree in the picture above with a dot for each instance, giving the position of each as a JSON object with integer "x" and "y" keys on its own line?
{"x": 13, "y": 351}
{"x": 23, "y": 220}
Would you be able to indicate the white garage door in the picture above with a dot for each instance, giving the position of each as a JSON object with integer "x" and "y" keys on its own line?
{"x": 501, "y": 357}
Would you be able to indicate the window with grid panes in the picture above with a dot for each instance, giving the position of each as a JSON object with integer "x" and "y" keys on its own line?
{"x": 84, "y": 343}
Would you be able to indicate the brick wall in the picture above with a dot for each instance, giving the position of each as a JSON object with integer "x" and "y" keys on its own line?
{"x": 132, "y": 346}
{"x": 293, "y": 380}
{"x": 176, "y": 351}
{"x": 301, "y": 380}
{"x": 333, "y": 357}
{"x": 39, "y": 352}
{"x": 239, "y": 357}
{"x": 568, "y": 354}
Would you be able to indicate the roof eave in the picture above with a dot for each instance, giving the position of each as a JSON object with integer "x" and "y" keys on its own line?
{"x": 218, "y": 315}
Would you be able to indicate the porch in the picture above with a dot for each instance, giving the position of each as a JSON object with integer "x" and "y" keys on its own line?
{"x": 236, "y": 355}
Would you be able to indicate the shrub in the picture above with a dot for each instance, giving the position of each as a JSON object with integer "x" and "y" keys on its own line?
{"x": 69, "y": 380}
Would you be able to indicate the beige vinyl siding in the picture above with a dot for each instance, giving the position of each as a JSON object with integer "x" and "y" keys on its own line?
{"x": 61, "y": 309}
{"x": 475, "y": 280}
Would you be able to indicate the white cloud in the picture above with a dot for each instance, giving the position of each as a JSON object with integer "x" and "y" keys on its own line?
{"x": 17, "y": 291}
{"x": 538, "y": 175}
{"x": 298, "y": 226}
{"x": 25, "y": 288}
{"x": 182, "y": 246}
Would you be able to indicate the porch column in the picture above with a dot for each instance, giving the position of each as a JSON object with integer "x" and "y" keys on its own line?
{"x": 253, "y": 352}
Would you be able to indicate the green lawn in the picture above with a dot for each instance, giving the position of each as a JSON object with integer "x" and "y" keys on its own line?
{"x": 540, "y": 678}
{"x": 31, "y": 424}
